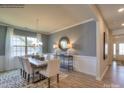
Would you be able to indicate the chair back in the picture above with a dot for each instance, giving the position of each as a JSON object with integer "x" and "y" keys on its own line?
{"x": 53, "y": 67}
{"x": 21, "y": 62}
{"x": 27, "y": 65}
{"x": 45, "y": 56}
{"x": 52, "y": 57}
{"x": 49, "y": 56}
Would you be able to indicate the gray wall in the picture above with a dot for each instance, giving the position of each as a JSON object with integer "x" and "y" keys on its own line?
{"x": 82, "y": 36}
{"x": 45, "y": 43}
{"x": 2, "y": 40}
{"x": 24, "y": 33}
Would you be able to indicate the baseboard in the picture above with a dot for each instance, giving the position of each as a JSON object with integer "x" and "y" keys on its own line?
{"x": 100, "y": 78}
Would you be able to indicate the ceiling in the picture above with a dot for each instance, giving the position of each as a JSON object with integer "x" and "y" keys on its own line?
{"x": 46, "y": 18}
{"x": 111, "y": 15}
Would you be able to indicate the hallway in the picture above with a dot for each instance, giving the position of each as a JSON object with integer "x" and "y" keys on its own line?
{"x": 115, "y": 75}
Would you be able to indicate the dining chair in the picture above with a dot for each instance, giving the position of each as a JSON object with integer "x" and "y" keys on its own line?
{"x": 51, "y": 70}
{"x": 29, "y": 69}
{"x": 45, "y": 56}
{"x": 22, "y": 71}
{"x": 49, "y": 56}
{"x": 52, "y": 56}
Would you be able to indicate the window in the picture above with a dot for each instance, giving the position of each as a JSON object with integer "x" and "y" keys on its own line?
{"x": 121, "y": 49}
{"x": 23, "y": 45}
{"x": 19, "y": 45}
{"x": 30, "y": 48}
{"x": 114, "y": 49}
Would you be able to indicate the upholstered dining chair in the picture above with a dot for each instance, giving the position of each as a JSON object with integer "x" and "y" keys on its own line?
{"x": 27, "y": 67}
{"x": 49, "y": 56}
{"x": 45, "y": 56}
{"x": 51, "y": 70}
{"x": 30, "y": 71}
{"x": 21, "y": 66}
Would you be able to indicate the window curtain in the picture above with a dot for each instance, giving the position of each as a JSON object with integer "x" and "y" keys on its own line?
{"x": 10, "y": 61}
{"x": 2, "y": 46}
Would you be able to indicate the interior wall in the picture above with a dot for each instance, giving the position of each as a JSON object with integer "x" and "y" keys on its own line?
{"x": 110, "y": 48}
{"x": 24, "y": 33}
{"x": 82, "y": 37}
{"x": 102, "y": 64}
{"x": 45, "y": 39}
{"x": 2, "y": 40}
{"x": 2, "y": 46}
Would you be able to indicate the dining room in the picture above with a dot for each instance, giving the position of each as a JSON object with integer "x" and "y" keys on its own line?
{"x": 28, "y": 63}
{"x": 37, "y": 52}
{"x": 61, "y": 46}
{"x": 50, "y": 46}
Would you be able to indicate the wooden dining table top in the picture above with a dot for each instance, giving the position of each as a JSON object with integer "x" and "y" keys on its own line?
{"x": 37, "y": 62}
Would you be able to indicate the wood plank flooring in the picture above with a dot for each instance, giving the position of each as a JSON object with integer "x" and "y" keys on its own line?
{"x": 113, "y": 78}
{"x": 115, "y": 75}
{"x": 78, "y": 80}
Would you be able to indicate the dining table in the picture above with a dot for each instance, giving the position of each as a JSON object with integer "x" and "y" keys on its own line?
{"x": 38, "y": 64}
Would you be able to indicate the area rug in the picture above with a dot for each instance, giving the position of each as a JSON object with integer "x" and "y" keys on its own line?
{"x": 13, "y": 79}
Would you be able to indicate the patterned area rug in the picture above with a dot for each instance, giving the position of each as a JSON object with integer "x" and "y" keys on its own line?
{"x": 13, "y": 79}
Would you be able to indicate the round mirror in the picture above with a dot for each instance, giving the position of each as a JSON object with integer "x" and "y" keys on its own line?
{"x": 63, "y": 43}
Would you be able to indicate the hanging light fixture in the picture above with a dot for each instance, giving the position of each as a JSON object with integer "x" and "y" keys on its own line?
{"x": 39, "y": 43}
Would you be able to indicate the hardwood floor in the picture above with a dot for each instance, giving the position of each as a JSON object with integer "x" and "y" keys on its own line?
{"x": 113, "y": 78}
{"x": 78, "y": 80}
{"x": 115, "y": 75}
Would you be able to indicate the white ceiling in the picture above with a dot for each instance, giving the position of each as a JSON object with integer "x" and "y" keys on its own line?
{"x": 111, "y": 15}
{"x": 51, "y": 17}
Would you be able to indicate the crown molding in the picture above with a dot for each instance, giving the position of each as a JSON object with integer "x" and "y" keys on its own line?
{"x": 47, "y": 33}
{"x": 22, "y": 28}
{"x": 67, "y": 27}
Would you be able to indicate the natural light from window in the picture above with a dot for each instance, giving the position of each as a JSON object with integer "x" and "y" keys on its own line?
{"x": 121, "y": 49}
{"x": 23, "y": 45}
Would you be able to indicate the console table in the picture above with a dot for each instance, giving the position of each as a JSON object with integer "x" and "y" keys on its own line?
{"x": 66, "y": 61}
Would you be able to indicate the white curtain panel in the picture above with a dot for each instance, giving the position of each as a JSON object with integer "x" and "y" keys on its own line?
{"x": 10, "y": 61}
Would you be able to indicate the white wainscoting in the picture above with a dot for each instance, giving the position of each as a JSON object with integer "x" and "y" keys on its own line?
{"x": 8, "y": 66}
{"x": 85, "y": 64}
{"x": 2, "y": 60}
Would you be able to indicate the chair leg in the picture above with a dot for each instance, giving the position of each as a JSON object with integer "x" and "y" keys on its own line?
{"x": 57, "y": 78}
{"x": 21, "y": 72}
{"x": 25, "y": 75}
{"x": 40, "y": 76}
{"x": 28, "y": 77}
{"x": 48, "y": 82}
{"x": 33, "y": 77}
